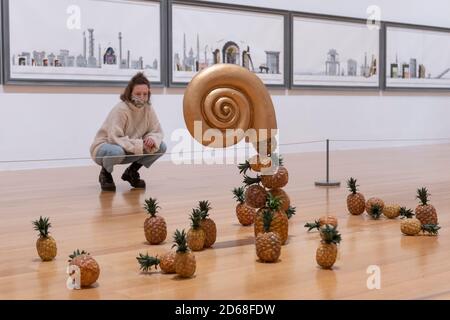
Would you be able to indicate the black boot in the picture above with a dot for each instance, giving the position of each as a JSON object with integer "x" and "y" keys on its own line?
{"x": 106, "y": 181}
{"x": 131, "y": 175}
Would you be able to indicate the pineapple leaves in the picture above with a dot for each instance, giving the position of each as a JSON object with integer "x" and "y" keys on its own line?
{"x": 351, "y": 184}
{"x": 146, "y": 262}
{"x": 42, "y": 225}
{"x": 423, "y": 195}
{"x": 432, "y": 229}
{"x": 195, "y": 217}
{"x": 204, "y": 207}
{"x": 77, "y": 253}
{"x": 406, "y": 213}
{"x": 267, "y": 220}
{"x": 238, "y": 194}
{"x": 179, "y": 238}
{"x": 290, "y": 212}
{"x": 243, "y": 167}
{"x": 330, "y": 234}
{"x": 151, "y": 205}
{"x": 273, "y": 203}
{"x": 375, "y": 211}
{"x": 312, "y": 225}
{"x": 248, "y": 181}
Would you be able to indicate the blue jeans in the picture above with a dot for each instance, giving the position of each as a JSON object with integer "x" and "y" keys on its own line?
{"x": 108, "y": 155}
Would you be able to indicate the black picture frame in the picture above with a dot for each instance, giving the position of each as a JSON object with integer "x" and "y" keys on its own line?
{"x": 224, "y": 6}
{"x": 407, "y": 26}
{"x": 335, "y": 18}
{"x": 9, "y": 80}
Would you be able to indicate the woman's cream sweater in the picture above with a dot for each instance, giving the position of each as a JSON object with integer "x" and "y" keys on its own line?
{"x": 127, "y": 126}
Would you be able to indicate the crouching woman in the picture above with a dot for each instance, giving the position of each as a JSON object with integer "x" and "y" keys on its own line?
{"x": 131, "y": 133}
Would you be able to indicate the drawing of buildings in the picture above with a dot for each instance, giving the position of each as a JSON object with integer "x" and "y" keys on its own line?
{"x": 273, "y": 61}
{"x": 86, "y": 59}
{"x": 413, "y": 68}
{"x": 352, "y": 67}
{"x": 39, "y": 57}
{"x": 216, "y": 56}
{"x": 422, "y": 71}
{"x": 247, "y": 60}
{"x": 231, "y": 53}
{"x": 373, "y": 66}
{"x": 228, "y": 52}
{"x": 332, "y": 65}
{"x": 365, "y": 68}
{"x": 51, "y": 59}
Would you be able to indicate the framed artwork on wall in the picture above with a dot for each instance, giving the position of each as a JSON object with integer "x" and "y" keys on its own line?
{"x": 417, "y": 57}
{"x": 83, "y": 42}
{"x": 203, "y": 34}
{"x": 334, "y": 52}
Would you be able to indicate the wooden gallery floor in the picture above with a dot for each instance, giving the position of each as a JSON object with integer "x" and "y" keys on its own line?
{"x": 110, "y": 226}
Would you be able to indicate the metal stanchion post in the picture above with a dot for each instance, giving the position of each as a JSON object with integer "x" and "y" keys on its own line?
{"x": 328, "y": 183}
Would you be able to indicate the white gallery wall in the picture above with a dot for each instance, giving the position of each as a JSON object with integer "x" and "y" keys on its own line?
{"x": 59, "y": 122}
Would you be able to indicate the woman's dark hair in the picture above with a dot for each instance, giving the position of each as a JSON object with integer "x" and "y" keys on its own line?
{"x": 139, "y": 78}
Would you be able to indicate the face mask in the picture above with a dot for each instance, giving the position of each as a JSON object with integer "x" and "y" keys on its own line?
{"x": 138, "y": 102}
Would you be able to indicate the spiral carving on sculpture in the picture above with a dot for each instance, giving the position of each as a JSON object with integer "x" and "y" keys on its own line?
{"x": 227, "y": 96}
{"x": 226, "y": 108}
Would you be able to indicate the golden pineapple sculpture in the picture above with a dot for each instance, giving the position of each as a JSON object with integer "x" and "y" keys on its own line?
{"x": 391, "y": 211}
{"x": 89, "y": 268}
{"x": 375, "y": 211}
{"x": 328, "y": 219}
{"x": 411, "y": 226}
{"x": 45, "y": 244}
{"x": 356, "y": 203}
{"x": 255, "y": 193}
{"x": 166, "y": 262}
{"x": 244, "y": 213}
{"x": 207, "y": 224}
{"x": 256, "y": 163}
{"x": 185, "y": 263}
{"x": 277, "y": 179}
{"x": 279, "y": 223}
{"x": 268, "y": 243}
{"x": 155, "y": 227}
{"x": 425, "y": 212}
{"x": 196, "y": 236}
{"x": 327, "y": 251}
{"x": 273, "y": 177}
{"x": 270, "y": 182}
{"x": 374, "y": 201}
{"x": 284, "y": 198}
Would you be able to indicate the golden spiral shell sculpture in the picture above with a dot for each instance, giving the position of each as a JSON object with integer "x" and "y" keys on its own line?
{"x": 224, "y": 97}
